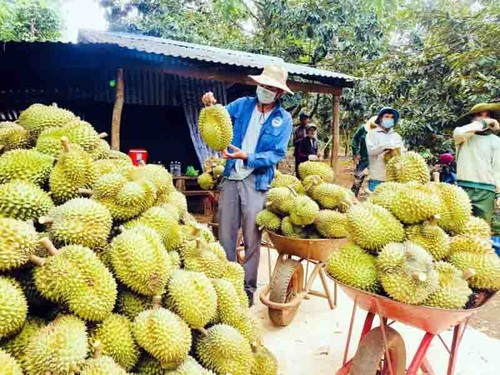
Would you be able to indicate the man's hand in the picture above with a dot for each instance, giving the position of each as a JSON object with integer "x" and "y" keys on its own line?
{"x": 208, "y": 99}
{"x": 356, "y": 159}
{"x": 492, "y": 124}
{"x": 236, "y": 154}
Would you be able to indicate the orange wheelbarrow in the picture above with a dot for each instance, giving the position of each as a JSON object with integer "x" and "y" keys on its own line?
{"x": 289, "y": 284}
{"x": 381, "y": 350}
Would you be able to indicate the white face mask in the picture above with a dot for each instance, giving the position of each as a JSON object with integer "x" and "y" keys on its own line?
{"x": 265, "y": 96}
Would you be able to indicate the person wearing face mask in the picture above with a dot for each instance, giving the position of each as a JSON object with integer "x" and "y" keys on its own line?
{"x": 379, "y": 141}
{"x": 261, "y": 132}
{"x": 478, "y": 157}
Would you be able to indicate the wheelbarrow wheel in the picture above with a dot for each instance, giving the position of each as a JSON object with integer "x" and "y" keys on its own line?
{"x": 287, "y": 282}
{"x": 370, "y": 356}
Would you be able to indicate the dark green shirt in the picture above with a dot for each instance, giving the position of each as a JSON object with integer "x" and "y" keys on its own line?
{"x": 359, "y": 143}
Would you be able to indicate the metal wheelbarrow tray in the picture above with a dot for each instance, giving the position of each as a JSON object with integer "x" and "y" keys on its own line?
{"x": 288, "y": 286}
{"x": 432, "y": 320}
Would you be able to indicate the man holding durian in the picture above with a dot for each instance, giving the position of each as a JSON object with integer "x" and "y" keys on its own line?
{"x": 261, "y": 132}
{"x": 478, "y": 157}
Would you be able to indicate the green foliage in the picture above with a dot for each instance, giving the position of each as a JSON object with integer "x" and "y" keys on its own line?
{"x": 30, "y": 20}
{"x": 429, "y": 59}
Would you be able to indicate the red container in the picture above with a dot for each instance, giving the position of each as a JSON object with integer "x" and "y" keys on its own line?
{"x": 137, "y": 155}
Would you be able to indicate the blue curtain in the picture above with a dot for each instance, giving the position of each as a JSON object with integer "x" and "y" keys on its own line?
{"x": 191, "y": 90}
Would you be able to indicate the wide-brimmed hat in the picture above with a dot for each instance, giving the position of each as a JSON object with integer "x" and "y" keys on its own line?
{"x": 387, "y": 110}
{"x": 493, "y": 108}
{"x": 311, "y": 126}
{"x": 275, "y": 76}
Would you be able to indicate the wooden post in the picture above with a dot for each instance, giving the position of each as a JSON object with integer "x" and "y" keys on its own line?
{"x": 334, "y": 159}
{"x": 117, "y": 111}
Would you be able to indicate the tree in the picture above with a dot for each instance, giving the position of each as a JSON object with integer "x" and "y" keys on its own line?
{"x": 31, "y": 21}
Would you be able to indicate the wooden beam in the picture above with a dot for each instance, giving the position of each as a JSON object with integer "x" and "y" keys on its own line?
{"x": 117, "y": 111}
{"x": 335, "y": 133}
{"x": 216, "y": 75}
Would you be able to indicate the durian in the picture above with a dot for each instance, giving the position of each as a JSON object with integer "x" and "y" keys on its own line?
{"x": 331, "y": 196}
{"x": 406, "y": 272}
{"x": 470, "y": 244}
{"x": 18, "y": 240}
{"x": 431, "y": 237}
{"x": 287, "y": 180}
{"x": 303, "y": 211}
{"x": 476, "y": 226}
{"x": 115, "y": 338}
{"x": 23, "y": 200}
{"x": 12, "y": 136}
{"x": 372, "y": 227}
{"x": 408, "y": 167}
{"x": 353, "y": 266}
{"x": 314, "y": 168}
{"x": 331, "y": 224}
{"x": 8, "y": 364}
{"x": 38, "y": 117}
{"x": 131, "y": 304}
{"x": 268, "y": 220}
{"x": 74, "y": 170}
{"x": 76, "y": 278}
{"x": 264, "y": 362}
{"x": 193, "y": 297}
{"x": 79, "y": 221}
{"x": 455, "y": 208}
{"x": 26, "y": 165}
{"x": 288, "y": 229}
{"x": 224, "y": 350}
{"x": 453, "y": 291}
{"x": 13, "y": 307}
{"x": 140, "y": 260}
{"x": 216, "y": 127}
{"x": 206, "y": 181}
{"x": 164, "y": 335}
{"x": 280, "y": 200}
{"x": 486, "y": 268}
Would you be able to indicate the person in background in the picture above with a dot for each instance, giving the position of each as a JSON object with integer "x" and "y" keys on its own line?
{"x": 478, "y": 157}
{"x": 298, "y": 135}
{"x": 379, "y": 141}
{"x": 308, "y": 146}
{"x": 261, "y": 133}
{"x": 447, "y": 168}
{"x": 360, "y": 154}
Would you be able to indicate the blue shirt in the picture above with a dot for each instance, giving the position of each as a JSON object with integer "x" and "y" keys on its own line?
{"x": 272, "y": 142}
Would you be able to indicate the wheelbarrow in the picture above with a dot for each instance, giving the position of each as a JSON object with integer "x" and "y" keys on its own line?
{"x": 381, "y": 350}
{"x": 288, "y": 286}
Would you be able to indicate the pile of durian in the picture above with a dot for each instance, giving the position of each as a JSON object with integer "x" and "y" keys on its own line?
{"x": 311, "y": 207}
{"x": 103, "y": 270}
{"x": 416, "y": 242}
{"x": 213, "y": 170}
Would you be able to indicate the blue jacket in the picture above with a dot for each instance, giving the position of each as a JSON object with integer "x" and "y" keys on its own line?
{"x": 273, "y": 139}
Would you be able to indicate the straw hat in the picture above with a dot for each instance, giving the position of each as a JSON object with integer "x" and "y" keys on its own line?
{"x": 275, "y": 76}
{"x": 493, "y": 108}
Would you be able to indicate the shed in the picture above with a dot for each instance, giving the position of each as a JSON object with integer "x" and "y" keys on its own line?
{"x": 150, "y": 88}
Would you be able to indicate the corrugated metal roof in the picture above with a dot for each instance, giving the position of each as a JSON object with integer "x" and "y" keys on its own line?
{"x": 169, "y": 47}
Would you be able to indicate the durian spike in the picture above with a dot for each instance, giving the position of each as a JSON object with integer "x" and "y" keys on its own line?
{"x": 419, "y": 276}
{"x": 203, "y": 331}
{"x": 293, "y": 191}
{"x": 468, "y": 273}
{"x": 45, "y": 220}
{"x": 37, "y": 260}
{"x": 97, "y": 349}
{"x": 45, "y": 242}
{"x": 65, "y": 143}
{"x": 103, "y": 135}
{"x": 156, "y": 302}
{"x": 83, "y": 191}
